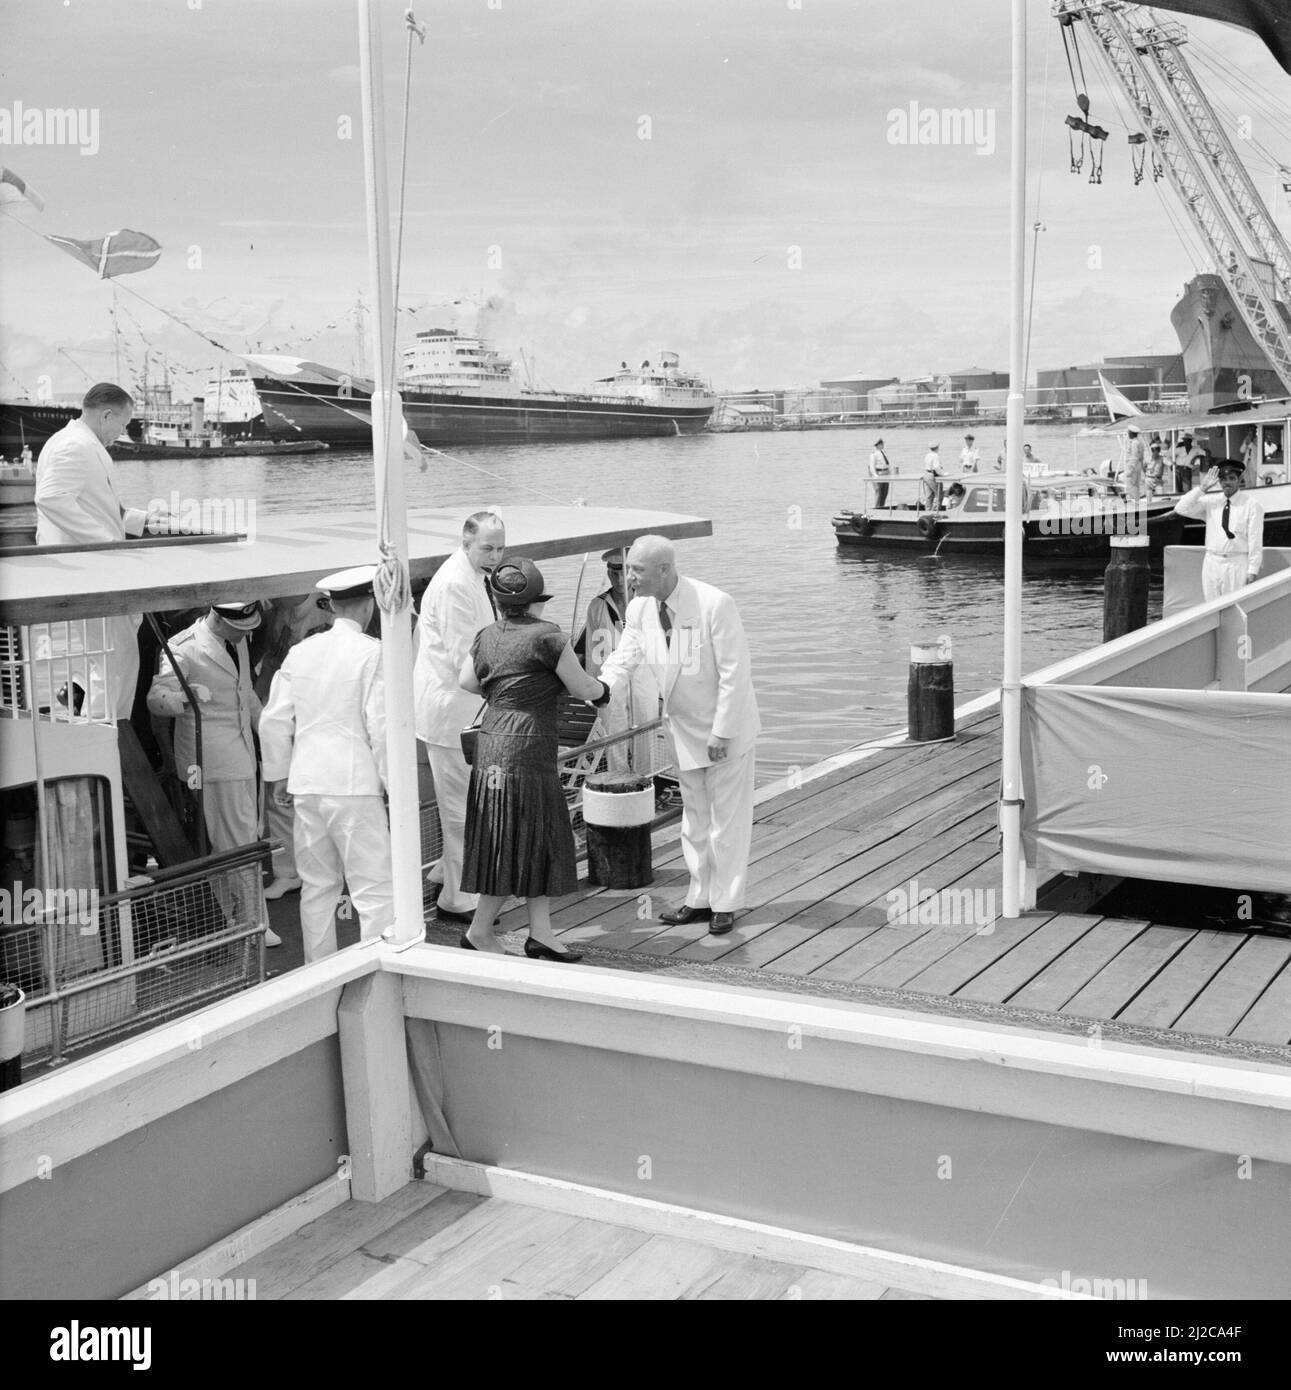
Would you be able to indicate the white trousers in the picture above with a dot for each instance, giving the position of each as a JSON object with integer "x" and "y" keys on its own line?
{"x": 342, "y": 840}
{"x": 1222, "y": 574}
{"x": 716, "y": 828}
{"x": 452, "y": 777}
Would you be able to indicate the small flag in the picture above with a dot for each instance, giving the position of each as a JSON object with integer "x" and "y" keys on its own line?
{"x": 15, "y": 190}
{"x": 1285, "y": 176}
{"x": 118, "y": 253}
{"x": 1119, "y": 407}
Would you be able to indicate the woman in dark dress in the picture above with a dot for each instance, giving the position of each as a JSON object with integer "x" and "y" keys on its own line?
{"x": 518, "y": 837}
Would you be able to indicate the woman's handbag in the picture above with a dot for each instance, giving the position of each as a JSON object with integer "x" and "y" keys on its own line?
{"x": 470, "y": 736}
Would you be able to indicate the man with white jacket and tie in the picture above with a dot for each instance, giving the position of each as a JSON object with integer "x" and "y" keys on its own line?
{"x": 77, "y": 504}
{"x": 322, "y": 741}
{"x": 454, "y": 608}
{"x": 213, "y": 658}
{"x": 691, "y": 636}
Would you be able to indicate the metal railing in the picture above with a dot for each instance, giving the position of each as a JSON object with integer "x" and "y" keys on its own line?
{"x": 124, "y": 961}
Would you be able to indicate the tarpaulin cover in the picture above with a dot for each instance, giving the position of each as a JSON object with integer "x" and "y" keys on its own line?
{"x": 1185, "y": 786}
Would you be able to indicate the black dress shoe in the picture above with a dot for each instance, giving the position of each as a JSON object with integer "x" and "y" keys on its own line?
{"x": 722, "y": 923}
{"x": 466, "y": 943}
{"x": 680, "y": 916}
{"x": 535, "y": 950}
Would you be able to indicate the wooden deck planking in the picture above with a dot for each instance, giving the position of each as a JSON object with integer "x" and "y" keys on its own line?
{"x": 301, "y": 1257}
{"x": 1221, "y": 1007}
{"x": 825, "y": 856}
{"x": 424, "y": 1242}
{"x": 1128, "y": 972}
{"x": 1269, "y": 1019}
{"x": 1018, "y": 967}
{"x": 1063, "y": 978}
{"x": 1163, "y": 1001}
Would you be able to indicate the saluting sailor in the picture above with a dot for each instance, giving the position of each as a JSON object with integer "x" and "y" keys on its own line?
{"x": 322, "y": 738}
{"x": 213, "y": 657}
{"x": 1234, "y": 529}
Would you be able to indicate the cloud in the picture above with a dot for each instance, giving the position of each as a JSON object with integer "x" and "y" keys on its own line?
{"x": 347, "y": 75}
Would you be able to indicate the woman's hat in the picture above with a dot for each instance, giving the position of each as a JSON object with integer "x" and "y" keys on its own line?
{"x": 518, "y": 583}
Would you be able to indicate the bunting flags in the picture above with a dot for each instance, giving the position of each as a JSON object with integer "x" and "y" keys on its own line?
{"x": 1270, "y": 19}
{"x": 15, "y": 190}
{"x": 118, "y": 253}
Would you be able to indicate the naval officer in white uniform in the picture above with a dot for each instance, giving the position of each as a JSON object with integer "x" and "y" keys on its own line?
{"x": 323, "y": 734}
{"x": 690, "y": 634}
{"x": 213, "y": 656}
{"x": 454, "y": 609}
{"x": 1234, "y": 529}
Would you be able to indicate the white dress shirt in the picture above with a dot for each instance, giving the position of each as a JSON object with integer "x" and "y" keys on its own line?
{"x": 1245, "y": 521}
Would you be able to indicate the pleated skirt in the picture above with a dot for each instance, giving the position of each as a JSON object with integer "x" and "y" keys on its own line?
{"x": 518, "y": 838}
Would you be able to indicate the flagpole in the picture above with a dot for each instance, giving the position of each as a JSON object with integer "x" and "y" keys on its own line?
{"x": 1011, "y": 689}
{"x": 392, "y": 521}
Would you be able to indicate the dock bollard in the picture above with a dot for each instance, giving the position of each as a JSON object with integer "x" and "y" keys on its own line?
{"x": 617, "y": 810}
{"x": 13, "y": 1022}
{"x": 930, "y": 693}
{"x": 1125, "y": 587}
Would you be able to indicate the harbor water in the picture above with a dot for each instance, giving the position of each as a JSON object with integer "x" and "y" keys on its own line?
{"x": 830, "y": 631}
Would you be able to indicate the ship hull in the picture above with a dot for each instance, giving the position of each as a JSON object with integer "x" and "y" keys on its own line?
{"x": 30, "y": 423}
{"x": 322, "y": 410}
{"x": 1222, "y": 361}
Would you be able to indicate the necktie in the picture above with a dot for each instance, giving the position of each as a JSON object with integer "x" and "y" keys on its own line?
{"x": 665, "y": 622}
{"x": 488, "y": 594}
{"x": 1223, "y": 520}
{"x": 232, "y": 649}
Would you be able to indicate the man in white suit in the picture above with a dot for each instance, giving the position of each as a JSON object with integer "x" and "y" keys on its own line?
{"x": 691, "y": 635}
{"x": 455, "y": 606}
{"x": 77, "y": 504}
{"x": 322, "y": 741}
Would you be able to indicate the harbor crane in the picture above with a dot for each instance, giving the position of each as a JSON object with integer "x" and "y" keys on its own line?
{"x": 1144, "y": 57}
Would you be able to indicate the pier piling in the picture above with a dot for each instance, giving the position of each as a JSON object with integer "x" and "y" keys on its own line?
{"x": 1125, "y": 587}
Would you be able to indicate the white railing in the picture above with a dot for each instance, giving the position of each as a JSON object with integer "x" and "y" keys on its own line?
{"x": 63, "y": 671}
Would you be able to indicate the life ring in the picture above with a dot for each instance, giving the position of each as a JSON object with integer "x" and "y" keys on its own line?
{"x": 861, "y": 524}
{"x": 928, "y": 526}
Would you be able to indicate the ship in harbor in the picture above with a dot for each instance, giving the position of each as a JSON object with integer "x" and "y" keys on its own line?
{"x": 457, "y": 389}
{"x": 1222, "y": 360}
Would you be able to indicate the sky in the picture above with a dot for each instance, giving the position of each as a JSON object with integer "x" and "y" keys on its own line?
{"x": 592, "y": 181}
